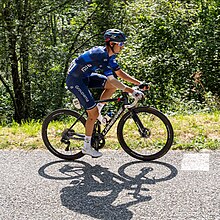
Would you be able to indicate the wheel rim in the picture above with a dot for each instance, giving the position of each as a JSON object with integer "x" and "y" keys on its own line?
{"x": 147, "y": 141}
{"x": 63, "y": 141}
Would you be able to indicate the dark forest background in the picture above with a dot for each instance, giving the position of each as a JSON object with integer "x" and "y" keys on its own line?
{"x": 173, "y": 44}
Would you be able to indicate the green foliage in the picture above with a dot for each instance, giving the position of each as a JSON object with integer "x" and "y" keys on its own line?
{"x": 5, "y": 107}
{"x": 192, "y": 132}
{"x": 173, "y": 44}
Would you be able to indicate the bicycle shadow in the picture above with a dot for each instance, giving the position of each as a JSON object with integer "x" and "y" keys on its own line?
{"x": 99, "y": 193}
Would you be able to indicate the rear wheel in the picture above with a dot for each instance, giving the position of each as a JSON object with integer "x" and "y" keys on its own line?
{"x": 63, "y": 134}
{"x": 145, "y": 133}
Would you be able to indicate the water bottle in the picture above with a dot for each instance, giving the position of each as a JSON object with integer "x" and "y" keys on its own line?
{"x": 108, "y": 116}
{"x": 110, "y": 113}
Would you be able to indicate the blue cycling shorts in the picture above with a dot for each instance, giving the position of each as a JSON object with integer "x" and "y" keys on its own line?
{"x": 79, "y": 85}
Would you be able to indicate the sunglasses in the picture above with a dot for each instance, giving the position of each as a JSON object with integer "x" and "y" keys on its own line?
{"x": 120, "y": 44}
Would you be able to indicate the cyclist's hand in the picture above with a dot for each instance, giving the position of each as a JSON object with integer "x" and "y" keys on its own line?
{"x": 137, "y": 94}
{"x": 144, "y": 86}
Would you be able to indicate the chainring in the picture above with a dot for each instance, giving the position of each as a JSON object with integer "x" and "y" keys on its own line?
{"x": 98, "y": 141}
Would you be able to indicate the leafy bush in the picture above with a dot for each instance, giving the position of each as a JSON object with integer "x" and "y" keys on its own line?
{"x": 174, "y": 45}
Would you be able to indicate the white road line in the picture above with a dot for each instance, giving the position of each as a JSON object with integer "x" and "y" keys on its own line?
{"x": 195, "y": 161}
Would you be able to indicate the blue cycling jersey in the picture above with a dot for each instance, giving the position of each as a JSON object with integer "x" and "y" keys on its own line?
{"x": 94, "y": 60}
{"x": 82, "y": 74}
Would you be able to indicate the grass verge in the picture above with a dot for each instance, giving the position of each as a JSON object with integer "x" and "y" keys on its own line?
{"x": 192, "y": 132}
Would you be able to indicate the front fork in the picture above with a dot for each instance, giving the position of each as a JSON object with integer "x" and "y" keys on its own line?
{"x": 143, "y": 131}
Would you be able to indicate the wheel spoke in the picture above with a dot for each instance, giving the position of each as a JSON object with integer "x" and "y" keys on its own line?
{"x": 154, "y": 138}
{"x": 62, "y": 141}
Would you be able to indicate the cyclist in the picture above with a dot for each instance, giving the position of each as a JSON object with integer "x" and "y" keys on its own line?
{"x": 82, "y": 75}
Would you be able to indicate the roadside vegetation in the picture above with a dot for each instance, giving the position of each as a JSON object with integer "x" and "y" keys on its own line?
{"x": 173, "y": 44}
{"x": 192, "y": 132}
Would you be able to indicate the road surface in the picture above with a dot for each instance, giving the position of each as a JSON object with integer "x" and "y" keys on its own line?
{"x": 180, "y": 186}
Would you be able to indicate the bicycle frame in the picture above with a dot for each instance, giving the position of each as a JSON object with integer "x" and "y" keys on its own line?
{"x": 109, "y": 125}
{"x": 112, "y": 121}
{"x": 137, "y": 121}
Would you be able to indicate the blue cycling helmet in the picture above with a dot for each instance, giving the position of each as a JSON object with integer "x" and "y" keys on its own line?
{"x": 114, "y": 35}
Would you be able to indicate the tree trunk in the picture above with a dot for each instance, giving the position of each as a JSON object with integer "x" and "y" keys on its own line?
{"x": 12, "y": 33}
{"x": 17, "y": 86}
{"x": 24, "y": 53}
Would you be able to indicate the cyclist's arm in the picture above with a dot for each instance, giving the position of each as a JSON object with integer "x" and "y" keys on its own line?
{"x": 120, "y": 73}
{"x": 119, "y": 85}
{"x": 125, "y": 76}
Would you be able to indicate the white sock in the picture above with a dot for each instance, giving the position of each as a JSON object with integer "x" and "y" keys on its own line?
{"x": 87, "y": 141}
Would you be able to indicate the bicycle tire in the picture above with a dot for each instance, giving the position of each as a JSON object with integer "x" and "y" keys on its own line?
{"x": 57, "y": 138}
{"x": 156, "y": 125}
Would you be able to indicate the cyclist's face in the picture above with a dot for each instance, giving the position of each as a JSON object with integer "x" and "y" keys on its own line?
{"x": 118, "y": 47}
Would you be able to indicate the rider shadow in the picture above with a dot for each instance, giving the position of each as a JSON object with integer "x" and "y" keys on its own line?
{"x": 94, "y": 190}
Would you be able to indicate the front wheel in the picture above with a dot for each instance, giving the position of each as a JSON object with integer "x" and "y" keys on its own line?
{"x": 145, "y": 133}
{"x": 63, "y": 134}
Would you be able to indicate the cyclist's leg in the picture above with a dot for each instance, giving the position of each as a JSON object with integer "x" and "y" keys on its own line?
{"x": 96, "y": 80}
{"x": 92, "y": 116}
{"x": 108, "y": 92}
{"x": 100, "y": 81}
{"x": 77, "y": 86}
{"x": 87, "y": 149}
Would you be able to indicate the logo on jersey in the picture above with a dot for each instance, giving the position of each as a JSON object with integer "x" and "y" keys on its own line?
{"x": 86, "y": 67}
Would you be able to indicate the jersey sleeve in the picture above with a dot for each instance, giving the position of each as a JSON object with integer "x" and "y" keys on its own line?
{"x": 113, "y": 63}
{"x": 111, "y": 67}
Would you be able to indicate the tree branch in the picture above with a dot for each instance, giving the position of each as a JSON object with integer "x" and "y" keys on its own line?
{"x": 95, "y": 35}
{"x": 77, "y": 35}
{"x": 50, "y": 10}
{"x": 7, "y": 88}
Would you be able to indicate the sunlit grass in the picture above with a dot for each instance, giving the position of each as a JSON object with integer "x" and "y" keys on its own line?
{"x": 24, "y": 136}
{"x": 198, "y": 131}
{"x": 192, "y": 132}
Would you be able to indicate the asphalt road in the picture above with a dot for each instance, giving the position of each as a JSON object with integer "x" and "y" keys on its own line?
{"x": 181, "y": 185}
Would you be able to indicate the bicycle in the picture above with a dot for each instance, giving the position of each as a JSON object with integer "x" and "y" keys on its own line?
{"x": 143, "y": 132}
